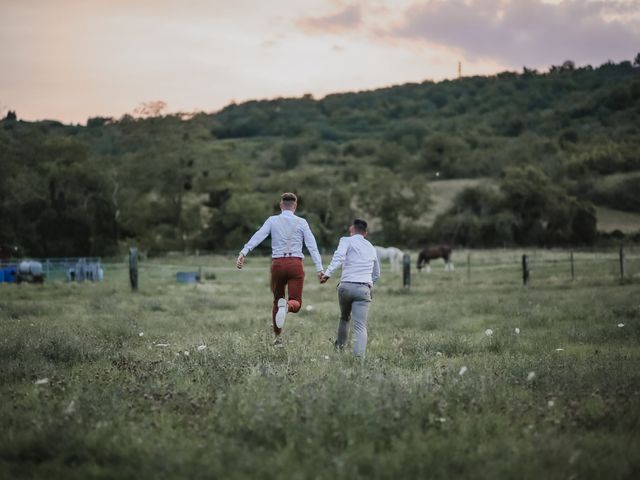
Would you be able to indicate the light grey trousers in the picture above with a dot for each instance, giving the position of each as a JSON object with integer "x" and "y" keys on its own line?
{"x": 354, "y": 300}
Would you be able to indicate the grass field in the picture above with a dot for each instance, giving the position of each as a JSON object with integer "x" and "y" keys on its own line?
{"x": 610, "y": 220}
{"x": 181, "y": 381}
{"x": 443, "y": 192}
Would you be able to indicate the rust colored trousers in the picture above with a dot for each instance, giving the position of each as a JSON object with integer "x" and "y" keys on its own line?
{"x": 286, "y": 273}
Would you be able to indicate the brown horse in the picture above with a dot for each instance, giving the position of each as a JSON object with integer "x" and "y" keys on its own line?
{"x": 430, "y": 253}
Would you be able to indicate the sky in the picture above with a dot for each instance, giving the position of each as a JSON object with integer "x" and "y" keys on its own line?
{"x": 69, "y": 60}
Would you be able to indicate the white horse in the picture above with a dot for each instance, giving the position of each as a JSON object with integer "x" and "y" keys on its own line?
{"x": 393, "y": 254}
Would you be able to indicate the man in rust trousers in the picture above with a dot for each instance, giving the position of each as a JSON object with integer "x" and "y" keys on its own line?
{"x": 288, "y": 233}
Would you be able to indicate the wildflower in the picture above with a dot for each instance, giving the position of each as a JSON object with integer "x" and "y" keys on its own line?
{"x": 516, "y": 331}
{"x": 488, "y": 332}
{"x": 531, "y": 376}
{"x": 186, "y": 353}
{"x": 438, "y": 354}
{"x": 308, "y": 308}
{"x": 201, "y": 348}
{"x": 550, "y": 403}
{"x": 620, "y": 325}
{"x": 41, "y": 381}
{"x": 326, "y": 357}
{"x": 463, "y": 370}
{"x": 559, "y": 349}
{"x": 162, "y": 344}
{"x": 141, "y": 334}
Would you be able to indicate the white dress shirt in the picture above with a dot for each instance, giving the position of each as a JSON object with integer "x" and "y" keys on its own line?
{"x": 358, "y": 259}
{"x": 288, "y": 232}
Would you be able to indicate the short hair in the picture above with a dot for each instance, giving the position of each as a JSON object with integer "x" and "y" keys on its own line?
{"x": 360, "y": 225}
{"x": 288, "y": 197}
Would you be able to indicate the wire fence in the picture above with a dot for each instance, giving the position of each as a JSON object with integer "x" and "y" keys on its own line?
{"x": 498, "y": 266}
{"x": 557, "y": 266}
{"x": 62, "y": 269}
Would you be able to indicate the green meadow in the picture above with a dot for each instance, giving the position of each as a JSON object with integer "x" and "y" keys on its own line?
{"x": 468, "y": 374}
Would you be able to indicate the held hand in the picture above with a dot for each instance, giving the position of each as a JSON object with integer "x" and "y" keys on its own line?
{"x": 240, "y": 261}
{"x": 320, "y": 275}
{"x": 324, "y": 278}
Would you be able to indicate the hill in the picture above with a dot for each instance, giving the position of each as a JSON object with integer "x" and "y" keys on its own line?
{"x": 175, "y": 182}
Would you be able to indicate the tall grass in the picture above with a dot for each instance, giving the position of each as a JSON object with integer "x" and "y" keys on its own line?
{"x": 181, "y": 381}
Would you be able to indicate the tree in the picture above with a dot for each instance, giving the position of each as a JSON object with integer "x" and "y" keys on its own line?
{"x": 150, "y": 109}
{"x": 445, "y": 154}
{"x": 290, "y": 154}
{"x": 394, "y": 201}
{"x": 543, "y": 212}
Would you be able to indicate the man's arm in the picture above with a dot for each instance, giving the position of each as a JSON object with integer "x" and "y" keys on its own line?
{"x": 375, "y": 275}
{"x": 312, "y": 246}
{"x": 257, "y": 238}
{"x": 338, "y": 258}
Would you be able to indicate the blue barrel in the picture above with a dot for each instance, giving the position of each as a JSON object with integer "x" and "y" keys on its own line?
{"x": 8, "y": 274}
{"x": 187, "y": 277}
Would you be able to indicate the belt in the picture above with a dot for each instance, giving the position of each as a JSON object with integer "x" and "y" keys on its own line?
{"x": 359, "y": 283}
{"x": 286, "y": 255}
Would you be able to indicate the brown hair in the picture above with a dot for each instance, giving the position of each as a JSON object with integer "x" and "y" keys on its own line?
{"x": 288, "y": 197}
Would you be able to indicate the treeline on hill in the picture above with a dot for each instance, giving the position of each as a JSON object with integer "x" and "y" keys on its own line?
{"x": 544, "y": 141}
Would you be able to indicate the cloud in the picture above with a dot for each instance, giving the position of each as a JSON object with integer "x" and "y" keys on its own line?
{"x": 526, "y": 32}
{"x": 349, "y": 18}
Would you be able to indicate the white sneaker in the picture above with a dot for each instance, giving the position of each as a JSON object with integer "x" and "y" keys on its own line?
{"x": 277, "y": 342}
{"x": 281, "y": 313}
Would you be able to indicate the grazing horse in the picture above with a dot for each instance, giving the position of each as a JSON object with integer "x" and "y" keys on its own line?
{"x": 393, "y": 254}
{"x": 440, "y": 251}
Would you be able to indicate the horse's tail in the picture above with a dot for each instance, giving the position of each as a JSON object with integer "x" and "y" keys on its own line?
{"x": 421, "y": 260}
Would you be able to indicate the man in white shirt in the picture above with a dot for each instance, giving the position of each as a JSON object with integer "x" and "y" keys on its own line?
{"x": 288, "y": 233}
{"x": 360, "y": 271}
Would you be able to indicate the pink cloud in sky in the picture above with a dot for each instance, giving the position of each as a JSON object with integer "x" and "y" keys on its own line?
{"x": 348, "y": 18}
{"x": 507, "y": 33}
{"x": 527, "y": 32}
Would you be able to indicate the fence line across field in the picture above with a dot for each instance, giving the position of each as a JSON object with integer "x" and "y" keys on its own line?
{"x": 536, "y": 265}
{"x": 64, "y": 268}
{"x": 557, "y": 266}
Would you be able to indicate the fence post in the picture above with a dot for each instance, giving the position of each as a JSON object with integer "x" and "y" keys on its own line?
{"x": 133, "y": 268}
{"x": 525, "y": 269}
{"x": 621, "y": 262}
{"x": 406, "y": 270}
{"x": 573, "y": 276}
{"x": 469, "y": 266}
